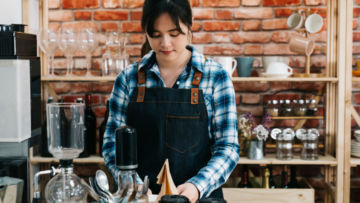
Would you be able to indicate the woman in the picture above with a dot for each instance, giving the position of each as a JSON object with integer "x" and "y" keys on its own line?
{"x": 182, "y": 105}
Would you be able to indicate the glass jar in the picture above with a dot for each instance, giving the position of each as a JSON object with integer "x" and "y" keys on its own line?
{"x": 272, "y": 108}
{"x": 284, "y": 144}
{"x": 310, "y": 145}
{"x": 281, "y": 107}
{"x": 287, "y": 110}
{"x": 300, "y": 109}
{"x": 312, "y": 109}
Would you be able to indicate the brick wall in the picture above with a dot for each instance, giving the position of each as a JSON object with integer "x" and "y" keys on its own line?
{"x": 221, "y": 27}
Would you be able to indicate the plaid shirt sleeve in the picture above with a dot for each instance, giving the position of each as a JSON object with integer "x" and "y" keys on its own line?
{"x": 118, "y": 103}
{"x": 225, "y": 150}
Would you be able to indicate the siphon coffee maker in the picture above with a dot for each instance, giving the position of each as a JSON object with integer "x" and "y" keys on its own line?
{"x": 65, "y": 133}
{"x": 309, "y": 139}
{"x": 284, "y": 145}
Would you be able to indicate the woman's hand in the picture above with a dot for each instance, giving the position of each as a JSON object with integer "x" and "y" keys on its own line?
{"x": 189, "y": 190}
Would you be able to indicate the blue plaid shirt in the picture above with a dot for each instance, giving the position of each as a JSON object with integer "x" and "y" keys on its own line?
{"x": 220, "y": 102}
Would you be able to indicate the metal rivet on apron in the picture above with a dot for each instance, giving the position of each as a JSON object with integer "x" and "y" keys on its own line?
{"x": 141, "y": 93}
{"x": 194, "y": 94}
{"x": 141, "y": 77}
{"x": 197, "y": 78}
{"x": 194, "y": 100}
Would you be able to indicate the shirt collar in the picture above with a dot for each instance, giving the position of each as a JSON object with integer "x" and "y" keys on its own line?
{"x": 197, "y": 59}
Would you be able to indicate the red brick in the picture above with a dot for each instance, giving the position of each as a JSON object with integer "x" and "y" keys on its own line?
{"x": 274, "y": 24}
{"x": 281, "y": 2}
{"x": 247, "y": 13}
{"x": 220, "y": 3}
{"x": 255, "y": 110}
{"x": 82, "y": 15}
{"x": 286, "y": 123}
{"x": 309, "y": 86}
{"x": 201, "y": 38}
{"x": 254, "y": 37}
{"x": 53, "y": 4}
{"x": 357, "y": 1}
{"x": 278, "y": 86}
{"x": 313, "y": 2}
{"x": 280, "y": 36}
{"x": 60, "y": 15}
{"x": 253, "y": 49}
{"x": 277, "y": 49}
{"x": 54, "y": 26}
{"x": 223, "y": 50}
{"x": 110, "y": 3}
{"x": 135, "y": 15}
{"x": 60, "y": 87}
{"x": 201, "y": 14}
{"x": 195, "y": 27}
{"x": 319, "y": 37}
{"x": 318, "y": 61}
{"x": 102, "y": 87}
{"x": 283, "y": 12}
{"x": 250, "y": 98}
{"x": 133, "y": 51}
{"x": 77, "y": 26}
{"x": 237, "y": 98}
{"x": 224, "y": 15}
{"x": 221, "y": 26}
{"x": 255, "y": 87}
{"x": 354, "y": 25}
{"x": 108, "y": 26}
{"x": 131, "y": 3}
{"x": 222, "y": 38}
{"x": 248, "y": 25}
{"x": 356, "y": 12}
{"x": 321, "y": 11}
{"x": 80, "y": 87}
{"x": 99, "y": 111}
{"x": 195, "y": 3}
{"x": 250, "y": 2}
{"x": 133, "y": 26}
{"x": 105, "y": 99}
{"x": 356, "y": 98}
{"x": 75, "y": 4}
{"x": 136, "y": 38}
{"x": 111, "y": 15}
{"x": 356, "y": 36}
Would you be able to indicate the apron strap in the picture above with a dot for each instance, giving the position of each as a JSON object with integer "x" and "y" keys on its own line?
{"x": 141, "y": 89}
{"x": 195, "y": 86}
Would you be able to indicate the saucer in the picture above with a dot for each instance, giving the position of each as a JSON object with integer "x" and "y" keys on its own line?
{"x": 356, "y": 73}
{"x": 276, "y": 75}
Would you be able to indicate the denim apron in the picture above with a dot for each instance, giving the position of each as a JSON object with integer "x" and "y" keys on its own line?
{"x": 171, "y": 124}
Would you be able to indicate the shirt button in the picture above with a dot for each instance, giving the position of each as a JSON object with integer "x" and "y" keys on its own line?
{"x": 177, "y": 82}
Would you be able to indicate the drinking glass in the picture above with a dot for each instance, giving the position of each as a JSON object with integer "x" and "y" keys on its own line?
{"x": 68, "y": 44}
{"x": 88, "y": 42}
{"x": 48, "y": 45}
{"x": 65, "y": 129}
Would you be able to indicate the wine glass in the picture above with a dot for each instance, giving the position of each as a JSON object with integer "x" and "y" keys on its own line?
{"x": 68, "y": 44}
{"x": 88, "y": 42}
{"x": 48, "y": 45}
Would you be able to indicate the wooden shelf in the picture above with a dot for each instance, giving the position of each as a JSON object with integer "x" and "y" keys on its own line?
{"x": 290, "y": 79}
{"x": 296, "y": 117}
{"x": 354, "y": 162}
{"x": 87, "y": 160}
{"x": 355, "y": 79}
{"x": 79, "y": 78}
{"x": 271, "y": 160}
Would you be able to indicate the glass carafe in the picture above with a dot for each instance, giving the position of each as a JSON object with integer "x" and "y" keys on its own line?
{"x": 284, "y": 144}
{"x": 310, "y": 145}
{"x": 65, "y": 125}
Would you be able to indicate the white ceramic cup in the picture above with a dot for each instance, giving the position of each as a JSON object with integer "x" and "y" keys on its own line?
{"x": 303, "y": 45}
{"x": 357, "y": 135}
{"x": 228, "y": 63}
{"x": 314, "y": 23}
{"x": 268, "y": 59}
{"x": 279, "y": 68}
{"x": 295, "y": 20}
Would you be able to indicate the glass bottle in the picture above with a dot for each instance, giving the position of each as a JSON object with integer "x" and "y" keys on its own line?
{"x": 293, "y": 181}
{"x": 65, "y": 186}
{"x": 245, "y": 183}
{"x": 44, "y": 143}
{"x": 284, "y": 178}
{"x": 103, "y": 127}
{"x": 90, "y": 129}
{"x": 271, "y": 178}
{"x": 85, "y": 152}
{"x": 266, "y": 176}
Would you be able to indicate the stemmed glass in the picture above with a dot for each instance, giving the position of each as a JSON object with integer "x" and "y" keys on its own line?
{"x": 114, "y": 58}
{"x": 88, "y": 42}
{"x": 68, "y": 44}
{"x": 48, "y": 45}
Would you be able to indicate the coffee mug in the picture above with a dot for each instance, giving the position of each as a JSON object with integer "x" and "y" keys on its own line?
{"x": 227, "y": 62}
{"x": 302, "y": 45}
{"x": 314, "y": 23}
{"x": 268, "y": 59}
{"x": 279, "y": 68}
{"x": 295, "y": 20}
{"x": 245, "y": 65}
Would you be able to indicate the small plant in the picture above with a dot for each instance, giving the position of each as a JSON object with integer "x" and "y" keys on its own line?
{"x": 250, "y": 130}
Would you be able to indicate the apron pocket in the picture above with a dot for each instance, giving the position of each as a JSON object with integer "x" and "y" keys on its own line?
{"x": 182, "y": 132}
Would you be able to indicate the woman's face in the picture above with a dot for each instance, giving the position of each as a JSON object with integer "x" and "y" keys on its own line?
{"x": 167, "y": 42}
